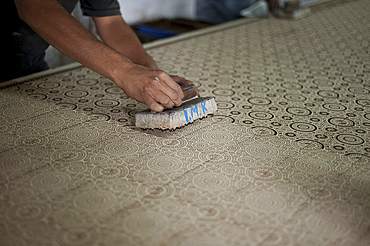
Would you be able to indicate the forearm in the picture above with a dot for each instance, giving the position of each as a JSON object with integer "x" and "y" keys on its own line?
{"x": 53, "y": 23}
{"x": 146, "y": 83}
{"x": 114, "y": 31}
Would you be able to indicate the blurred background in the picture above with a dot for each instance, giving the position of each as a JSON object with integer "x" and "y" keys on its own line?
{"x": 157, "y": 19}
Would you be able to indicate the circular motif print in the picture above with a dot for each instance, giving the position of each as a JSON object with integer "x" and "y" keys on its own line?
{"x": 327, "y": 225}
{"x": 334, "y": 107}
{"x": 155, "y": 190}
{"x": 262, "y": 234}
{"x": 145, "y": 223}
{"x": 352, "y": 80}
{"x": 363, "y": 102}
{"x": 107, "y": 103}
{"x": 263, "y": 173}
{"x": 50, "y": 181}
{"x": 343, "y": 122}
{"x": 356, "y": 159}
{"x": 108, "y": 172}
{"x": 76, "y": 94}
{"x": 295, "y": 97}
{"x": 361, "y": 182}
{"x": 303, "y": 127}
{"x": 298, "y": 111}
{"x": 207, "y": 211}
{"x": 261, "y": 115}
{"x": 328, "y": 94}
{"x": 214, "y": 137}
{"x": 27, "y": 212}
{"x": 95, "y": 200}
{"x": 48, "y": 85}
{"x": 262, "y": 150}
{"x": 349, "y": 139}
{"x": 322, "y": 82}
{"x": 312, "y": 166}
{"x": 120, "y": 148}
{"x": 265, "y": 202}
{"x": 164, "y": 164}
{"x": 114, "y": 90}
{"x": 261, "y": 131}
{"x": 211, "y": 181}
{"x": 224, "y": 105}
{"x": 358, "y": 90}
{"x": 258, "y": 89}
{"x": 87, "y": 82}
{"x": 319, "y": 192}
{"x": 223, "y": 92}
{"x": 259, "y": 101}
{"x": 307, "y": 144}
{"x": 292, "y": 86}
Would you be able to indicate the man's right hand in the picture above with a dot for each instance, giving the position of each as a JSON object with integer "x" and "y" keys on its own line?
{"x": 140, "y": 83}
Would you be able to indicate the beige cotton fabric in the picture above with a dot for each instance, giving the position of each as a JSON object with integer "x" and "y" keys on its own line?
{"x": 285, "y": 160}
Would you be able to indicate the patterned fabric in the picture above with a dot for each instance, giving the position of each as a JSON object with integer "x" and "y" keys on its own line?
{"x": 284, "y": 162}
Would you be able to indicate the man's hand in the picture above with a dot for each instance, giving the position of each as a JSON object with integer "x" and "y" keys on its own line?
{"x": 139, "y": 80}
{"x": 140, "y": 83}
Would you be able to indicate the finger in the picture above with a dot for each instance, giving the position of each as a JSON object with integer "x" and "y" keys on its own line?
{"x": 160, "y": 97}
{"x": 182, "y": 82}
{"x": 163, "y": 99}
{"x": 153, "y": 104}
{"x": 171, "y": 89}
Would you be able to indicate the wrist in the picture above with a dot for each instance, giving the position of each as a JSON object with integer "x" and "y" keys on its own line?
{"x": 118, "y": 67}
{"x": 152, "y": 64}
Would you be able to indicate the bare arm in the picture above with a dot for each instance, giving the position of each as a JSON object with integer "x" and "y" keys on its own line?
{"x": 114, "y": 31}
{"x": 53, "y": 23}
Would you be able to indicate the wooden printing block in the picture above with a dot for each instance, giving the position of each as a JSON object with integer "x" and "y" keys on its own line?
{"x": 176, "y": 117}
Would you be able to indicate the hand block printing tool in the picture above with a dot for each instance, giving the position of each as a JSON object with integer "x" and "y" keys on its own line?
{"x": 192, "y": 108}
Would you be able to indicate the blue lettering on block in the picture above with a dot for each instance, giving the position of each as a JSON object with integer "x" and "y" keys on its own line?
{"x": 204, "y": 107}
{"x": 186, "y": 116}
{"x": 194, "y": 110}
